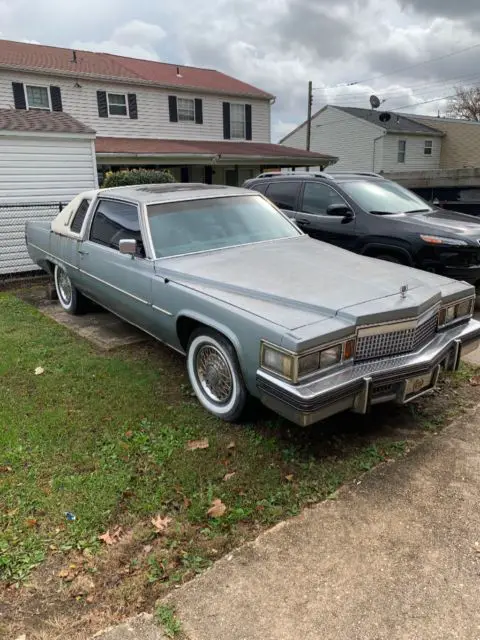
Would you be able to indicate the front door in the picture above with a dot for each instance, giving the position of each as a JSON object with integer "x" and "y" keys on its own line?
{"x": 119, "y": 282}
{"x": 313, "y": 218}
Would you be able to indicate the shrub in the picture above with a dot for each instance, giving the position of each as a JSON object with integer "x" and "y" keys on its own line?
{"x": 136, "y": 176}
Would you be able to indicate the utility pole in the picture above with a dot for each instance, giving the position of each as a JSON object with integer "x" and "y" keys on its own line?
{"x": 309, "y": 116}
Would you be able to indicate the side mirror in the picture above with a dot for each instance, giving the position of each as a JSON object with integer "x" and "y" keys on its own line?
{"x": 128, "y": 247}
{"x": 340, "y": 210}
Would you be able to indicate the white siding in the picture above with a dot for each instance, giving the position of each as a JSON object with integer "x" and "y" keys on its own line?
{"x": 37, "y": 169}
{"x": 342, "y": 135}
{"x": 152, "y": 103}
{"x": 415, "y": 159}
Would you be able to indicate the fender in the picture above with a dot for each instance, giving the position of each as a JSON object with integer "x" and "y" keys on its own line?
{"x": 213, "y": 324}
{"x": 387, "y": 248}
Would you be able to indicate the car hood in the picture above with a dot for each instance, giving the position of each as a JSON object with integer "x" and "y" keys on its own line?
{"x": 443, "y": 222}
{"x": 300, "y": 281}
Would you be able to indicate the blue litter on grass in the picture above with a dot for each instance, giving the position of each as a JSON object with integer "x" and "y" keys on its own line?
{"x": 70, "y": 516}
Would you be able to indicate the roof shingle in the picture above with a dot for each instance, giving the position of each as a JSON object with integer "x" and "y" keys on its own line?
{"x": 149, "y": 146}
{"x": 28, "y": 56}
{"x": 39, "y": 121}
{"x": 398, "y": 122}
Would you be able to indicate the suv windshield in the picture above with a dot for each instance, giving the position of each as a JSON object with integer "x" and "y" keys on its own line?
{"x": 214, "y": 223}
{"x": 384, "y": 197}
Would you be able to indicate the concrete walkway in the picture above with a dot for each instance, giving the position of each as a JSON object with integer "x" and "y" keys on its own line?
{"x": 395, "y": 557}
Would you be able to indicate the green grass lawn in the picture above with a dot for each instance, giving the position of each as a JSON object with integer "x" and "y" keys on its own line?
{"x": 104, "y": 437}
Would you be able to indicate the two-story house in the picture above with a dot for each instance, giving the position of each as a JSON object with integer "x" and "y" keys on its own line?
{"x": 369, "y": 140}
{"x": 200, "y": 123}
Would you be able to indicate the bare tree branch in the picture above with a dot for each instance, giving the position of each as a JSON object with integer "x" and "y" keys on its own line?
{"x": 465, "y": 104}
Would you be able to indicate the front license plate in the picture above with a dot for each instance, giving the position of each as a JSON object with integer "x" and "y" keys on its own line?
{"x": 417, "y": 384}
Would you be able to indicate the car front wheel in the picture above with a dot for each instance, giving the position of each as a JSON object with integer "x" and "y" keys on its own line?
{"x": 69, "y": 297}
{"x": 215, "y": 375}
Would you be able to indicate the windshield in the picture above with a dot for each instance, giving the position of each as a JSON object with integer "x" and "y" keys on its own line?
{"x": 201, "y": 225}
{"x": 384, "y": 197}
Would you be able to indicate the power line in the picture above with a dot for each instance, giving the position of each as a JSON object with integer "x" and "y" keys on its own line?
{"x": 412, "y": 66}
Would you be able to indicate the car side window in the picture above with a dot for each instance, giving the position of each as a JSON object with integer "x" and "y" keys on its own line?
{"x": 283, "y": 194}
{"x": 317, "y": 197}
{"x": 262, "y": 187}
{"x": 114, "y": 221}
{"x": 79, "y": 217}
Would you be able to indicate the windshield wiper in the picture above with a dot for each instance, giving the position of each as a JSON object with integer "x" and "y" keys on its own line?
{"x": 418, "y": 211}
{"x": 385, "y": 213}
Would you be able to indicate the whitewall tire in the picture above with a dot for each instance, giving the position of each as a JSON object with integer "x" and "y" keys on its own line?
{"x": 215, "y": 376}
{"x": 71, "y": 300}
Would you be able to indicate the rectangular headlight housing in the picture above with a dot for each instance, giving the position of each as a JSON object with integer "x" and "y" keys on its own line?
{"x": 295, "y": 367}
{"x": 457, "y": 311}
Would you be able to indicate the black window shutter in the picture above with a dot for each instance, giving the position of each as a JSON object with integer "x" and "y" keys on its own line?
{"x": 248, "y": 121}
{"x": 132, "y": 106}
{"x": 102, "y": 104}
{"x": 226, "y": 120}
{"x": 198, "y": 110}
{"x": 172, "y": 108}
{"x": 56, "y": 98}
{"x": 19, "y": 95}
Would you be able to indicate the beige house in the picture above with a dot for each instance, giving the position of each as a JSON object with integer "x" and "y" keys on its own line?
{"x": 460, "y": 144}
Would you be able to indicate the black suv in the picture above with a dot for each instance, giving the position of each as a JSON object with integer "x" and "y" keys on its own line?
{"x": 366, "y": 213}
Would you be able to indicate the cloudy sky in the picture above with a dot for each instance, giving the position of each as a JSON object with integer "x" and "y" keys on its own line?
{"x": 383, "y": 46}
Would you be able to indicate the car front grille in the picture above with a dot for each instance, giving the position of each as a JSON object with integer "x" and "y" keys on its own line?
{"x": 389, "y": 343}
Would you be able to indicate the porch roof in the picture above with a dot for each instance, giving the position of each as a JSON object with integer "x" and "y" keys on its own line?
{"x": 208, "y": 151}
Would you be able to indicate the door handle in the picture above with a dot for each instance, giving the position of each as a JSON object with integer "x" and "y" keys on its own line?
{"x": 304, "y": 222}
{"x": 83, "y": 253}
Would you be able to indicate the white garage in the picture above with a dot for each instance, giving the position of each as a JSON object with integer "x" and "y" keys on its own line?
{"x": 46, "y": 158}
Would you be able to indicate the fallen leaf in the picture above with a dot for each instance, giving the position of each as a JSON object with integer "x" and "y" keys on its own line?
{"x": 231, "y": 445}
{"x": 147, "y": 548}
{"x": 81, "y": 586}
{"x": 111, "y": 538}
{"x": 128, "y": 434}
{"x": 192, "y": 445}
{"x": 39, "y": 371}
{"x": 217, "y": 509}
{"x": 6, "y": 469}
{"x": 31, "y": 522}
{"x": 289, "y": 478}
{"x": 22, "y": 637}
{"x": 161, "y": 524}
{"x": 89, "y": 599}
{"x": 228, "y": 476}
{"x": 186, "y": 502}
{"x": 475, "y": 381}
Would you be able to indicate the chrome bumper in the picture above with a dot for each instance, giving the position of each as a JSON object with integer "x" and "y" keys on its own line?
{"x": 357, "y": 387}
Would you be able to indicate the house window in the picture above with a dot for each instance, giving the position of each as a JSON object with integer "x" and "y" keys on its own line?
{"x": 427, "y": 150}
{"x": 38, "y": 98}
{"x": 186, "y": 109}
{"x": 402, "y": 146}
{"x": 237, "y": 121}
{"x": 117, "y": 104}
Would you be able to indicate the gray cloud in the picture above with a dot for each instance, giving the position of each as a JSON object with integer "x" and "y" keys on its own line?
{"x": 278, "y": 45}
{"x": 456, "y": 9}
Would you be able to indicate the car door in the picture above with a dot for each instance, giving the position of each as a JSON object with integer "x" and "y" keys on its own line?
{"x": 119, "y": 282}
{"x": 284, "y": 194}
{"x": 313, "y": 218}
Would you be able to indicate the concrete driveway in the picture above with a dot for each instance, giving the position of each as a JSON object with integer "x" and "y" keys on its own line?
{"x": 396, "y": 556}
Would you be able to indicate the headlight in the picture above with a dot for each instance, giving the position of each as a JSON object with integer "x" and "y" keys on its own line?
{"x": 458, "y": 311}
{"x": 452, "y": 242}
{"x": 294, "y": 367}
{"x": 278, "y": 361}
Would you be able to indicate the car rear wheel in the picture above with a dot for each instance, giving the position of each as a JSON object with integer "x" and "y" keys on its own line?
{"x": 68, "y": 295}
{"x": 215, "y": 375}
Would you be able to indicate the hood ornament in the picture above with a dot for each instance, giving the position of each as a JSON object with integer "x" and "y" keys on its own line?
{"x": 403, "y": 290}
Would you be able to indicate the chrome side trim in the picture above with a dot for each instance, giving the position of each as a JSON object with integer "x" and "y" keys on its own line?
{"x": 56, "y": 258}
{"x": 167, "y": 313}
{"x": 108, "y": 284}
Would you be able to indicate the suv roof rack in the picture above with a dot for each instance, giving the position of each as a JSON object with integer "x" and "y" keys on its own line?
{"x": 315, "y": 174}
{"x": 282, "y": 174}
